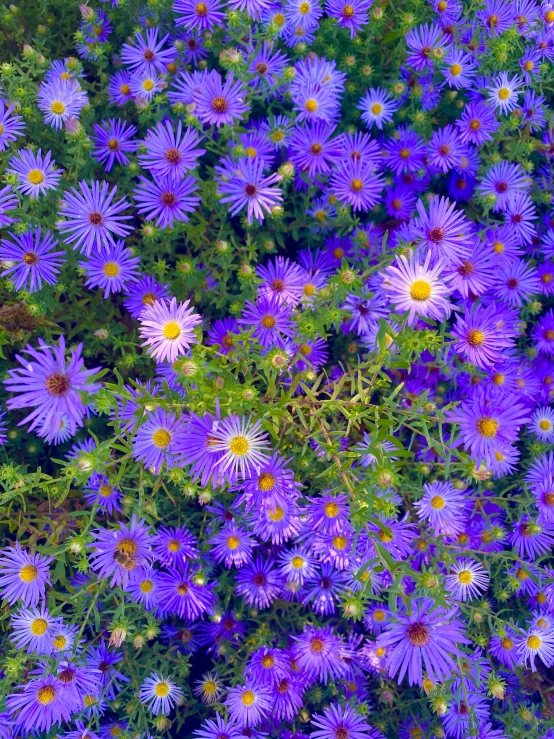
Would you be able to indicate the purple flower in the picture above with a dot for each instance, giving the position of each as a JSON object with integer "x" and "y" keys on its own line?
{"x": 119, "y": 88}
{"x": 168, "y": 329}
{"x": 232, "y": 546}
{"x": 320, "y": 653}
{"x": 33, "y": 259}
{"x": 355, "y": 183}
{"x": 378, "y": 107}
{"x": 167, "y": 199}
{"x": 50, "y": 385}
{"x": 218, "y": 102}
{"x": 11, "y": 125}
{"x": 23, "y": 576}
{"x": 248, "y": 704}
{"x": 486, "y": 426}
{"x": 145, "y": 293}
{"x": 180, "y": 593}
{"x": 259, "y": 583}
{"x": 481, "y": 335}
{"x": 111, "y": 142}
{"x": 91, "y": 217}
{"x": 242, "y": 445}
{"x": 338, "y": 722}
{"x": 269, "y": 318}
{"x": 36, "y": 174}
{"x": 116, "y": 553}
{"x": 417, "y": 288}
{"x": 60, "y": 101}
{"x": 8, "y": 201}
{"x": 536, "y": 643}
{"x": 146, "y": 53}
{"x": 444, "y": 230}
{"x": 427, "y": 636}
{"x": 467, "y": 579}
{"x": 350, "y": 14}
{"x": 100, "y": 492}
{"x": 247, "y": 187}
{"x": 112, "y": 269}
{"x": 41, "y": 704}
{"x": 159, "y": 438}
{"x": 477, "y": 123}
{"x": 532, "y": 539}
{"x": 160, "y": 694}
{"x": 170, "y": 154}
{"x": 312, "y": 148}
{"x": 201, "y": 16}
{"x": 497, "y": 16}
{"x": 172, "y": 547}
{"x": 424, "y": 42}
{"x": 220, "y": 334}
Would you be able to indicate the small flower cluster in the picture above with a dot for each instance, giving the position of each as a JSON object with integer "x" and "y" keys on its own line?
{"x": 277, "y": 386}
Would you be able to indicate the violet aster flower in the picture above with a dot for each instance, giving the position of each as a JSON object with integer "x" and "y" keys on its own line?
{"x": 417, "y": 288}
{"x": 32, "y": 628}
{"x": 92, "y": 216}
{"x": 60, "y": 101}
{"x": 247, "y": 187}
{"x": 143, "y": 293}
{"x": 220, "y": 334}
{"x": 269, "y": 318}
{"x": 144, "y": 86}
{"x": 242, "y": 443}
{"x": 350, "y": 14}
{"x": 23, "y": 576}
{"x": 167, "y": 199}
{"x": 200, "y": 16}
{"x": 532, "y": 539}
{"x": 497, "y": 16}
{"x": 33, "y": 259}
{"x": 516, "y": 282}
{"x": 170, "y": 153}
{"x": 102, "y": 660}
{"x": 486, "y": 426}
{"x": 482, "y": 335}
{"x": 218, "y": 727}
{"x": 320, "y": 653}
{"x": 179, "y": 593}
{"x": 427, "y": 636}
{"x": 338, "y": 722}
{"x": 111, "y": 142}
{"x": 50, "y": 385}
{"x": 536, "y": 643}
{"x": 313, "y": 150}
{"x": 501, "y": 180}
{"x": 8, "y": 201}
{"x": 36, "y": 174}
{"x": 504, "y": 92}
{"x": 477, "y": 123}
{"x": 118, "y": 552}
{"x": 259, "y": 583}
{"x": 378, "y": 107}
{"x": 158, "y": 439}
{"x": 41, "y": 704}
{"x": 443, "y": 507}
{"x": 111, "y": 269}
{"x": 423, "y": 42}
{"x": 100, "y": 492}
{"x": 248, "y": 704}
{"x": 218, "y": 102}
{"x": 355, "y": 183}
{"x": 281, "y": 278}
{"x": 443, "y": 230}
{"x": 146, "y": 53}
{"x": 168, "y": 329}
{"x": 11, "y": 125}
{"x": 444, "y": 150}
{"x": 172, "y": 547}
{"x": 232, "y": 546}
{"x": 467, "y": 579}
{"x": 267, "y": 64}
{"x": 119, "y": 88}
{"x": 405, "y": 153}
{"x": 160, "y": 694}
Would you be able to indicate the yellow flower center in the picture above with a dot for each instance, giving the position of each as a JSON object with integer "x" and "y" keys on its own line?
{"x": 161, "y": 690}
{"x": 507, "y": 643}
{"x": 549, "y": 16}
{"x": 173, "y": 546}
{"x": 46, "y": 695}
{"x": 331, "y": 510}
{"x": 209, "y": 687}
{"x": 348, "y": 11}
{"x": 239, "y": 446}
{"x": 420, "y": 290}
{"x": 266, "y": 481}
{"x": 533, "y": 642}
{"x": 268, "y": 660}
{"x": 297, "y": 562}
{"x": 248, "y": 698}
{"x": 487, "y": 427}
{"x": 59, "y": 641}
{"x": 528, "y": 66}
{"x": 268, "y": 322}
{"x": 35, "y": 177}
{"x": 148, "y": 84}
{"x": 311, "y": 105}
{"x": 475, "y": 337}
{"x": 105, "y": 491}
{"x": 465, "y": 577}
{"x": 503, "y": 93}
{"x": 376, "y": 108}
{"x": 233, "y": 542}
{"x": 39, "y": 626}
{"x": 339, "y": 542}
{"x": 498, "y": 378}
{"x": 438, "y": 502}
{"x": 28, "y": 573}
{"x": 161, "y": 438}
{"x": 57, "y": 107}
{"x": 545, "y": 425}
{"x": 379, "y": 614}
{"x": 357, "y": 185}
{"x": 124, "y": 89}
{"x": 172, "y": 330}
{"x": 111, "y": 269}
{"x": 455, "y": 70}
{"x": 276, "y": 514}
{"x": 146, "y": 586}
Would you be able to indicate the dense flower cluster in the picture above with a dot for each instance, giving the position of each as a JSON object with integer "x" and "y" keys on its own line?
{"x": 277, "y": 333}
